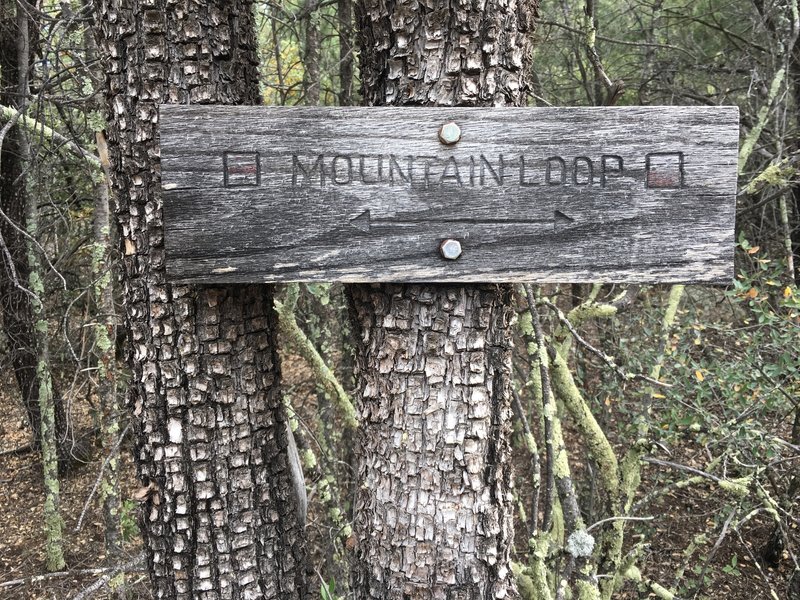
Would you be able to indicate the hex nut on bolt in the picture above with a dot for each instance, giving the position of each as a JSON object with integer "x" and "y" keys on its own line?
{"x": 449, "y": 133}
{"x": 450, "y": 249}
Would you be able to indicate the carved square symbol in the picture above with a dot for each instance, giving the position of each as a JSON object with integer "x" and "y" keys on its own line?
{"x": 241, "y": 169}
{"x": 664, "y": 170}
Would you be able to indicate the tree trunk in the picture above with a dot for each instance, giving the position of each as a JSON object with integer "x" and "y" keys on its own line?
{"x": 311, "y": 52}
{"x": 794, "y": 207}
{"x": 53, "y": 524}
{"x": 434, "y": 517}
{"x": 105, "y": 332}
{"x": 346, "y": 58}
{"x": 434, "y": 514}
{"x": 112, "y": 412}
{"x": 440, "y": 53}
{"x": 220, "y": 516}
{"x": 15, "y": 270}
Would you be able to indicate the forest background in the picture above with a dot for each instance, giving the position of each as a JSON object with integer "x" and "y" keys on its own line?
{"x": 690, "y": 392}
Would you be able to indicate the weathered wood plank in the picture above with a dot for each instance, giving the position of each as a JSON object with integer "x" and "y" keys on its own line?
{"x": 636, "y": 194}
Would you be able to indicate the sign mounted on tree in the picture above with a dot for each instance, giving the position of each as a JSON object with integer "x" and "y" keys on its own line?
{"x": 637, "y": 194}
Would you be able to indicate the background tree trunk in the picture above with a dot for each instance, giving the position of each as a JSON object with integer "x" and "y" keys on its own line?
{"x": 112, "y": 410}
{"x": 434, "y": 506}
{"x": 105, "y": 332}
{"x": 220, "y": 516}
{"x": 15, "y": 303}
{"x": 53, "y": 523}
{"x": 346, "y": 56}
{"x": 311, "y": 54}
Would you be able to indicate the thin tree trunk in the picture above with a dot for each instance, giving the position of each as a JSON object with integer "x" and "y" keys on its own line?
{"x": 14, "y": 301}
{"x": 105, "y": 332}
{"x": 311, "y": 51}
{"x": 221, "y": 518}
{"x": 785, "y": 216}
{"x": 434, "y": 511}
{"x": 794, "y": 203}
{"x": 346, "y": 58}
{"x": 795, "y": 231}
{"x": 105, "y": 335}
{"x": 53, "y": 524}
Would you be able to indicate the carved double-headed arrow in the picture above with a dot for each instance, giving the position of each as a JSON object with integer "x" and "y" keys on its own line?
{"x": 366, "y": 222}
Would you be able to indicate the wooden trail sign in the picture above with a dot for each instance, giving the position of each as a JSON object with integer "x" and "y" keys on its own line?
{"x": 637, "y": 194}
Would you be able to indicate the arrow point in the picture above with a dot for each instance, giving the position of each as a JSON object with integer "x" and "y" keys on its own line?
{"x": 361, "y": 222}
{"x": 561, "y": 220}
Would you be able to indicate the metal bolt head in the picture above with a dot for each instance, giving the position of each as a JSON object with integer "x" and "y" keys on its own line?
{"x": 449, "y": 133}
{"x": 450, "y": 249}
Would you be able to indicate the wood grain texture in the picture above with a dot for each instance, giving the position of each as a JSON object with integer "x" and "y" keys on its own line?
{"x": 635, "y": 194}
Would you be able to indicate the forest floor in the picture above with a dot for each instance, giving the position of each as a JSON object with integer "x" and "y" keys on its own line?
{"x": 735, "y": 571}
{"x": 22, "y": 555}
{"x": 687, "y": 551}
{"x": 701, "y": 543}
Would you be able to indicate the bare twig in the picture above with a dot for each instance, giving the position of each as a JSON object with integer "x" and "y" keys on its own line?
{"x": 49, "y": 576}
{"x": 113, "y": 452}
{"x": 17, "y": 451}
{"x": 757, "y": 565}
{"x": 609, "y": 360}
{"x": 36, "y": 243}
{"x": 714, "y": 550}
{"x": 623, "y": 42}
{"x": 680, "y": 467}
{"x": 13, "y": 115}
{"x": 131, "y": 565}
{"x": 530, "y": 442}
{"x": 610, "y": 519}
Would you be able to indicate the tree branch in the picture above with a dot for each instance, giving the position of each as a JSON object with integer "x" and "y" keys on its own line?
{"x": 12, "y": 115}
